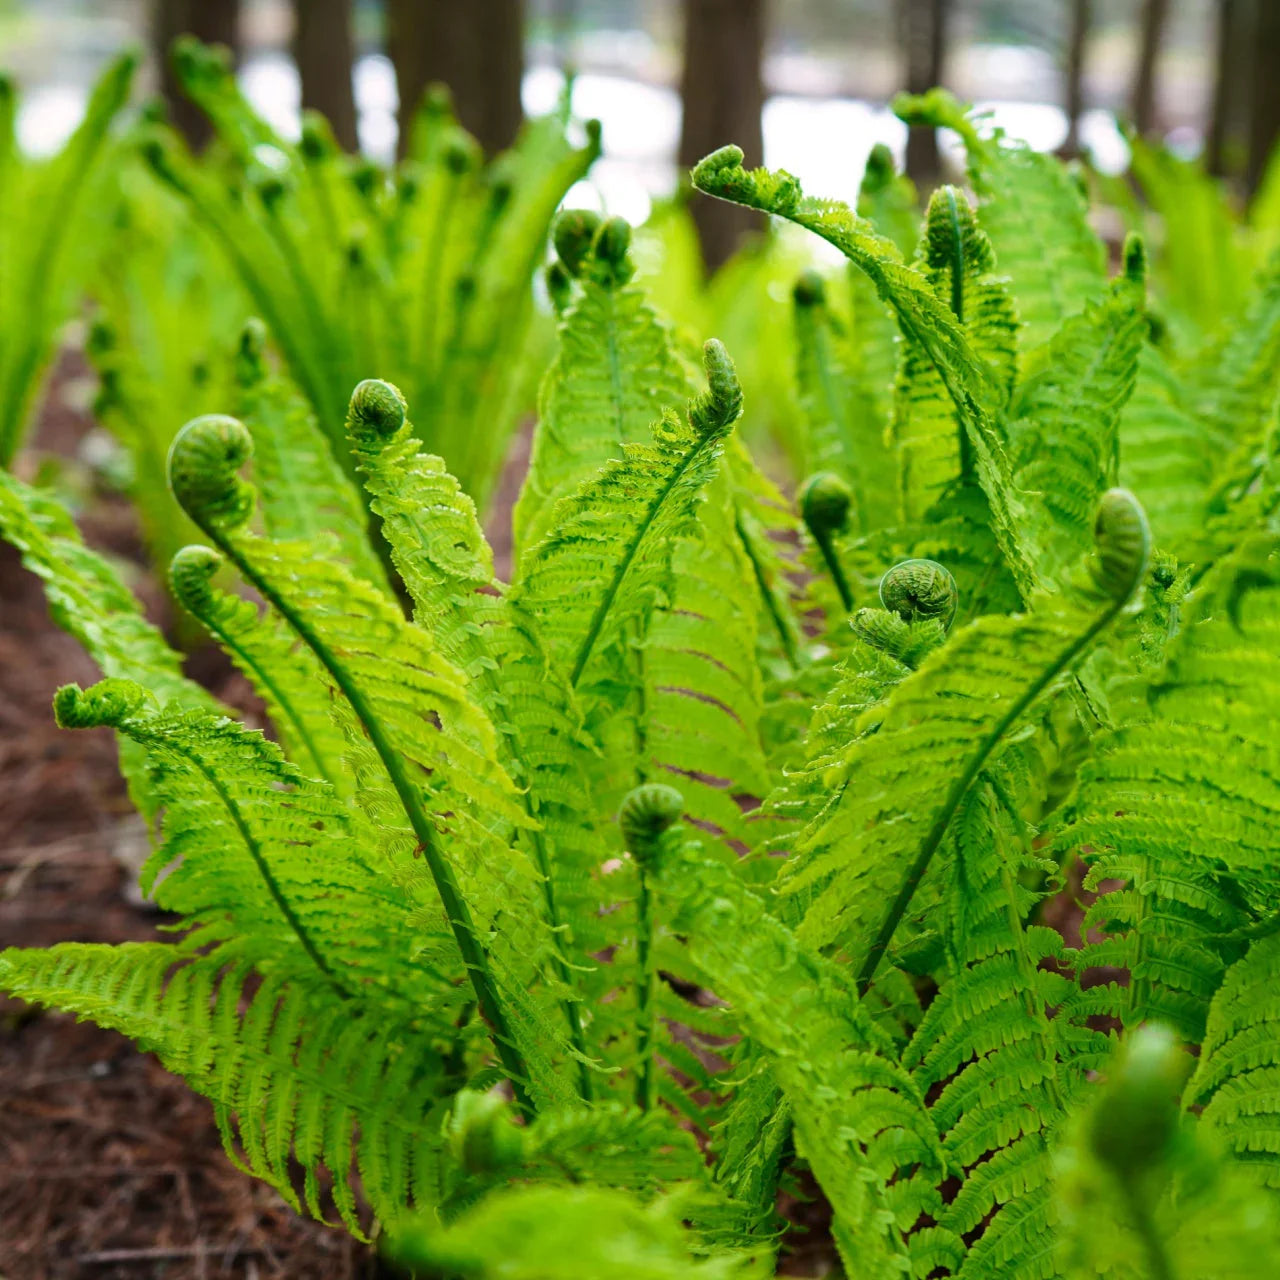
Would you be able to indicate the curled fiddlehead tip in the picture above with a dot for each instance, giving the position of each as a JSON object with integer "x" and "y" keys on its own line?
{"x": 190, "y": 572}
{"x": 595, "y": 132}
{"x": 437, "y": 100}
{"x": 648, "y": 812}
{"x": 1122, "y": 544}
{"x": 1135, "y": 1121}
{"x": 711, "y": 169}
{"x": 316, "y": 141}
{"x": 376, "y": 412}
{"x": 920, "y": 589}
{"x": 1135, "y": 258}
{"x": 481, "y": 1134}
{"x": 721, "y": 174}
{"x": 810, "y": 290}
{"x": 825, "y": 501}
{"x": 880, "y": 170}
{"x": 572, "y": 235}
{"x": 195, "y": 62}
{"x": 251, "y": 352}
{"x": 613, "y": 242}
{"x": 203, "y": 461}
{"x": 460, "y": 155}
{"x": 106, "y": 703}
{"x": 719, "y": 407}
{"x": 559, "y": 286}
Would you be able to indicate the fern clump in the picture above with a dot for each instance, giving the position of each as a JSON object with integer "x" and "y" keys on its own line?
{"x": 563, "y": 921}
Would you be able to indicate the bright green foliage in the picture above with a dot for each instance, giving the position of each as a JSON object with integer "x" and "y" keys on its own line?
{"x": 44, "y": 210}
{"x": 421, "y": 275}
{"x": 573, "y": 924}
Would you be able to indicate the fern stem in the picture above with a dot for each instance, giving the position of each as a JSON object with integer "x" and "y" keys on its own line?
{"x": 644, "y": 995}
{"x": 957, "y": 307}
{"x": 474, "y": 956}
{"x": 920, "y": 864}
{"x": 771, "y": 604}
{"x": 1139, "y": 1208}
{"x": 826, "y": 544}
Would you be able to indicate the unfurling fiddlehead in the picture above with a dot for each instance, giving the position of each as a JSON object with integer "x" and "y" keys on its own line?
{"x": 825, "y": 500}
{"x": 106, "y": 703}
{"x": 203, "y": 463}
{"x": 917, "y": 590}
{"x": 648, "y": 812}
{"x": 1122, "y": 544}
{"x": 720, "y": 405}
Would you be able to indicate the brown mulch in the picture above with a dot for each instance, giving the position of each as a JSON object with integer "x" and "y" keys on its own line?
{"x": 110, "y": 1168}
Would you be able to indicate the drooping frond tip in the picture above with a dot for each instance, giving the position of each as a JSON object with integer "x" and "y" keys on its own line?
{"x": 719, "y": 407}
{"x": 376, "y": 412}
{"x": 647, "y": 812}
{"x": 825, "y": 500}
{"x": 1122, "y": 544}
{"x": 721, "y": 174}
{"x": 920, "y": 589}
{"x": 203, "y": 463}
{"x": 106, "y": 703}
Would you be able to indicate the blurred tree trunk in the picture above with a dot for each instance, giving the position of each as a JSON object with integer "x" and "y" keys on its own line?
{"x": 1264, "y": 106}
{"x": 214, "y": 22}
{"x": 476, "y": 47}
{"x": 1077, "y": 37}
{"x": 722, "y": 91}
{"x": 1155, "y": 14}
{"x": 924, "y": 42}
{"x": 1227, "y": 73}
{"x": 324, "y": 49}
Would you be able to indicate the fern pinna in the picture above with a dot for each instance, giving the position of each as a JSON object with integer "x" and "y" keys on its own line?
{"x": 562, "y": 924}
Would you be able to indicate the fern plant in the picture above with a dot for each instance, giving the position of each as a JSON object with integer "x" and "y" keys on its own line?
{"x": 45, "y": 248}
{"x": 559, "y": 927}
{"x": 422, "y": 273}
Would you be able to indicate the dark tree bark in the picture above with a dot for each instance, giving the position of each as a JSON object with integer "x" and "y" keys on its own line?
{"x": 1223, "y": 110}
{"x": 1155, "y": 14}
{"x": 1264, "y": 105}
{"x": 214, "y": 22}
{"x": 1073, "y": 99}
{"x": 324, "y": 49}
{"x": 924, "y": 40}
{"x": 476, "y": 47}
{"x": 722, "y": 90}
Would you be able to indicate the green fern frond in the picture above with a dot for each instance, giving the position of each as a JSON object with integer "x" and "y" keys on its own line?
{"x": 435, "y": 743}
{"x": 915, "y": 771}
{"x": 930, "y": 442}
{"x": 293, "y": 1075}
{"x": 1034, "y": 213}
{"x": 1063, "y": 425}
{"x": 615, "y": 373}
{"x": 533, "y": 1233}
{"x": 1196, "y": 759}
{"x": 858, "y": 1120}
{"x": 304, "y": 493}
{"x": 42, "y": 215}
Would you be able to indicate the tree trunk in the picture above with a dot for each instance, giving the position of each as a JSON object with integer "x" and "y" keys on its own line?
{"x": 476, "y": 47}
{"x": 214, "y": 22}
{"x": 1155, "y": 14}
{"x": 924, "y": 38}
{"x": 722, "y": 90}
{"x": 1264, "y": 106}
{"x": 1077, "y": 37}
{"x": 324, "y": 49}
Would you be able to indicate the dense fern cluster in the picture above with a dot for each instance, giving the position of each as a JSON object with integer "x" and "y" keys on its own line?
{"x": 563, "y": 921}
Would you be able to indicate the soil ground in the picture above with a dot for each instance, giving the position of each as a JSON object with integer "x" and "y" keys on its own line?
{"x": 110, "y": 1168}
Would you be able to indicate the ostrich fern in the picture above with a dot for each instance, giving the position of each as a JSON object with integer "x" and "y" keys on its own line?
{"x": 558, "y": 926}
